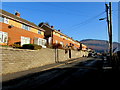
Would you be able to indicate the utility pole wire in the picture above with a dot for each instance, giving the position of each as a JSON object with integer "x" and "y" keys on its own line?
{"x": 89, "y": 20}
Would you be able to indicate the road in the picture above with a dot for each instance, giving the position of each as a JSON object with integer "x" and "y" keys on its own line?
{"x": 72, "y": 75}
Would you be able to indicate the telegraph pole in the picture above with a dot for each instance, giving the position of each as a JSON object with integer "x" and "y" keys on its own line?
{"x": 107, "y": 14}
{"x": 110, "y": 31}
{"x": 109, "y": 22}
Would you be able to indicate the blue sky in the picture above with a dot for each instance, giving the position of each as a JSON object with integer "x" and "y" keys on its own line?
{"x": 79, "y": 20}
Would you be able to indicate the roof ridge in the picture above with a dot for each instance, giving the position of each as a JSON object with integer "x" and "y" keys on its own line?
{"x": 19, "y": 18}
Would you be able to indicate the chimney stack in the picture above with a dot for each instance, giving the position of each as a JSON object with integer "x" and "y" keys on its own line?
{"x": 17, "y": 14}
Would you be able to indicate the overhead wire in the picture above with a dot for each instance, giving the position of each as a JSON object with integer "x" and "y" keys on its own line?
{"x": 88, "y": 20}
{"x": 69, "y": 9}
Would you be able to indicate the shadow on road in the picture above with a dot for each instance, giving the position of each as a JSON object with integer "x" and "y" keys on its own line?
{"x": 88, "y": 74}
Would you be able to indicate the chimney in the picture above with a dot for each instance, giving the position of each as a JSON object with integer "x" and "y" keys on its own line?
{"x": 17, "y": 14}
{"x": 52, "y": 26}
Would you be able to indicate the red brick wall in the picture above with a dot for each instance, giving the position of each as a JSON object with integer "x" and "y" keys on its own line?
{"x": 14, "y": 34}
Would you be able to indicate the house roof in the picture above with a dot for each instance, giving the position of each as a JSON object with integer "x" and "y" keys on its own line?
{"x": 19, "y": 19}
{"x": 58, "y": 32}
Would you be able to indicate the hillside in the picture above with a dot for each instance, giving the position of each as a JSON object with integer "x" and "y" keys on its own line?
{"x": 98, "y": 45}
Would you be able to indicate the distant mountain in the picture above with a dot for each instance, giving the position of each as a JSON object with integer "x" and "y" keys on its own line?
{"x": 99, "y": 45}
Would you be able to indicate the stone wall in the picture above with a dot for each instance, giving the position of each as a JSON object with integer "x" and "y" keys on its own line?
{"x": 15, "y": 60}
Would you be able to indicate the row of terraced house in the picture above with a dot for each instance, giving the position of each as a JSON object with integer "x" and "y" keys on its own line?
{"x": 14, "y": 29}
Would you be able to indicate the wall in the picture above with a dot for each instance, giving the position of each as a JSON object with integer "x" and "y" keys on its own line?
{"x": 14, "y": 23}
{"x": 15, "y": 60}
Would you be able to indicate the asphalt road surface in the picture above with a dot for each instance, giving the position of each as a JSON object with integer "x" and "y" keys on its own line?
{"x": 87, "y": 74}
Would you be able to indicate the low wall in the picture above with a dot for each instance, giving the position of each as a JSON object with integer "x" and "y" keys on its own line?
{"x": 15, "y": 60}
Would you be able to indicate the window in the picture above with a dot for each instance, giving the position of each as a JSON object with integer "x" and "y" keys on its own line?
{"x": 55, "y": 33}
{"x": 3, "y": 37}
{"x": 4, "y": 20}
{"x": 61, "y": 36}
{"x": 25, "y": 27}
{"x": 39, "y": 32}
{"x": 61, "y": 43}
{"x": 25, "y": 40}
{"x": 71, "y": 44}
{"x": 67, "y": 44}
{"x": 1, "y": 19}
{"x": 56, "y": 42}
{"x": 39, "y": 41}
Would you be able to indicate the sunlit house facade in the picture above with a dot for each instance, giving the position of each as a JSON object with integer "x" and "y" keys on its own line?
{"x": 14, "y": 29}
{"x": 54, "y": 36}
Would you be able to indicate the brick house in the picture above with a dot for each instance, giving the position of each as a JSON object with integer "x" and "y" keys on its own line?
{"x": 56, "y": 36}
{"x": 14, "y": 29}
{"x": 84, "y": 47}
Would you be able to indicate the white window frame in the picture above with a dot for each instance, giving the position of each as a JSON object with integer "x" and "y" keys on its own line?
{"x": 25, "y": 27}
{"x": 39, "y": 32}
{"x": 62, "y": 43}
{"x": 1, "y": 37}
{"x": 61, "y": 36}
{"x": 40, "y": 41}
{"x": 4, "y": 37}
{"x": 6, "y": 20}
{"x": 1, "y": 19}
{"x": 25, "y": 40}
{"x": 56, "y": 41}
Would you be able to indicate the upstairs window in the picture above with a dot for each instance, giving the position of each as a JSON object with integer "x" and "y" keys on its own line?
{"x": 61, "y": 36}
{"x": 4, "y": 20}
{"x": 25, "y": 27}
{"x": 39, "y": 32}
{"x": 1, "y": 19}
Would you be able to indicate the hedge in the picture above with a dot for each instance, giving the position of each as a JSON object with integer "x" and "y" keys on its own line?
{"x": 31, "y": 46}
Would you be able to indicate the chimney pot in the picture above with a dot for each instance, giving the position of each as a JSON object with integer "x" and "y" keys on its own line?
{"x": 52, "y": 26}
{"x": 17, "y": 14}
